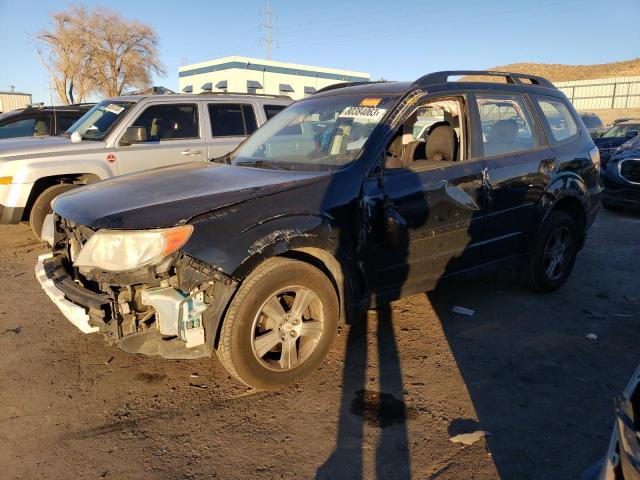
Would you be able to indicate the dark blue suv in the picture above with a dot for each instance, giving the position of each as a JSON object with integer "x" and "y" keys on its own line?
{"x": 356, "y": 196}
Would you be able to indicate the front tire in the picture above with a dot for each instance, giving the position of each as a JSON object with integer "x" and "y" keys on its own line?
{"x": 42, "y": 206}
{"x": 553, "y": 254}
{"x": 280, "y": 324}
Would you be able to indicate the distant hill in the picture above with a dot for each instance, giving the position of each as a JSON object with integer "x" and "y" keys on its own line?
{"x": 558, "y": 72}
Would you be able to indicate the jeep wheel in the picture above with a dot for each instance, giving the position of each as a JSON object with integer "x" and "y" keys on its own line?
{"x": 553, "y": 254}
{"x": 280, "y": 324}
{"x": 42, "y": 206}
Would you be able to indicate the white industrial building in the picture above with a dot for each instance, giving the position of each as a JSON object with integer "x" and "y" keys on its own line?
{"x": 13, "y": 100}
{"x": 252, "y": 75}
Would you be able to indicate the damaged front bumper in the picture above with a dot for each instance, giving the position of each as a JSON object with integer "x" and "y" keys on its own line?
{"x": 60, "y": 288}
{"x": 176, "y": 316}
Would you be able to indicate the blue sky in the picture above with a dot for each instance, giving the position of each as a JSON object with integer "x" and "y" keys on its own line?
{"x": 394, "y": 40}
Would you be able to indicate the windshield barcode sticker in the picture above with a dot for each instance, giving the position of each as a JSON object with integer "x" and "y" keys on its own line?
{"x": 114, "y": 108}
{"x": 370, "y": 114}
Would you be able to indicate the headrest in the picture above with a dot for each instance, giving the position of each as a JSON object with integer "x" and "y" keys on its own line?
{"x": 441, "y": 143}
{"x": 503, "y": 131}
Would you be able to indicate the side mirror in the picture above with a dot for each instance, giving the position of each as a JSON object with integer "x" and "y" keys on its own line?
{"x": 133, "y": 135}
{"x": 631, "y": 134}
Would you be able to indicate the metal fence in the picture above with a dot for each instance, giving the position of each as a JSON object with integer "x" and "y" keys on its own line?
{"x": 618, "y": 92}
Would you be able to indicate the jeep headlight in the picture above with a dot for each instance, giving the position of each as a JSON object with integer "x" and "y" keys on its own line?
{"x": 122, "y": 250}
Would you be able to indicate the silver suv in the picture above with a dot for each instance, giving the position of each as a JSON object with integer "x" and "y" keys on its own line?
{"x": 123, "y": 135}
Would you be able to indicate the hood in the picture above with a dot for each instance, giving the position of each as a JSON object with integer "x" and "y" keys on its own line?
{"x": 13, "y": 147}
{"x": 628, "y": 149}
{"x": 172, "y": 195}
{"x": 609, "y": 142}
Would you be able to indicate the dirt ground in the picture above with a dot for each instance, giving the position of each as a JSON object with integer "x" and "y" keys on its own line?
{"x": 385, "y": 407}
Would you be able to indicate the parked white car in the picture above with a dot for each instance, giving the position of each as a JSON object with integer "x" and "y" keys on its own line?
{"x": 123, "y": 135}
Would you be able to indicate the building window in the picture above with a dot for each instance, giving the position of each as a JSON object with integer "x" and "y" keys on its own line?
{"x": 222, "y": 85}
{"x": 309, "y": 91}
{"x": 286, "y": 89}
{"x": 253, "y": 86}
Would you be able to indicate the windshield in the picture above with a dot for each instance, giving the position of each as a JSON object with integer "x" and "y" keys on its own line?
{"x": 620, "y": 130}
{"x": 591, "y": 121}
{"x": 98, "y": 122}
{"x": 324, "y": 133}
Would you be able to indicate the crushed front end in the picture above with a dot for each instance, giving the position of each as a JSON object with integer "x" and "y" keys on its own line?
{"x": 171, "y": 308}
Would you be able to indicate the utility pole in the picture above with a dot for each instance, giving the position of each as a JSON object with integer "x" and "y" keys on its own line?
{"x": 268, "y": 39}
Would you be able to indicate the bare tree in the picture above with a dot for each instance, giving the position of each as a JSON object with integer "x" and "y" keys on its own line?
{"x": 97, "y": 51}
{"x": 64, "y": 54}
{"x": 124, "y": 53}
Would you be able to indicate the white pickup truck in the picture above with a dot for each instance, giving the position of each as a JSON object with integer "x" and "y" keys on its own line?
{"x": 123, "y": 135}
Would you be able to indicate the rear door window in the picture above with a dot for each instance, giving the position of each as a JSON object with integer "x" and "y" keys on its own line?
{"x": 169, "y": 122}
{"x": 232, "y": 119}
{"x": 272, "y": 110}
{"x": 560, "y": 122}
{"x": 65, "y": 121}
{"x": 506, "y": 124}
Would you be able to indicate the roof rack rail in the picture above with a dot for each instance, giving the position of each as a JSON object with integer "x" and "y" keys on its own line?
{"x": 335, "y": 86}
{"x": 437, "y": 78}
{"x": 270, "y": 95}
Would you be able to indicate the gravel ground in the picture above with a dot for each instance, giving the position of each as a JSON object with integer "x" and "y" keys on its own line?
{"x": 384, "y": 405}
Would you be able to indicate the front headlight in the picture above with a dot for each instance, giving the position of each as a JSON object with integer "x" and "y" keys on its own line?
{"x": 122, "y": 250}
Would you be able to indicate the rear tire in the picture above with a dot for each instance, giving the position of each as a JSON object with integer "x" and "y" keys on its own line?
{"x": 553, "y": 255}
{"x": 42, "y": 206}
{"x": 280, "y": 324}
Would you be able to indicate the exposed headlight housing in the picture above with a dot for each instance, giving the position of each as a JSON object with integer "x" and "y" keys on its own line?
{"x": 594, "y": 154}
{"x": 123, "y": 250}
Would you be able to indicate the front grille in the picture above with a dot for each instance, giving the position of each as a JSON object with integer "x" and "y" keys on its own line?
{"x": 630, "y": 170}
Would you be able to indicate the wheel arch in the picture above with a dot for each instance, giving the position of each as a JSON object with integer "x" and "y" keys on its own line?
{"x": 42, "y": 183}
{"x": 568, "y": 194}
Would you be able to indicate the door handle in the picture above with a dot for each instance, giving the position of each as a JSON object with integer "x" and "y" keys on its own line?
{"x": 190, "y": 152}
{"x": 486, "y": 187}
{"x": 486, "y": 182}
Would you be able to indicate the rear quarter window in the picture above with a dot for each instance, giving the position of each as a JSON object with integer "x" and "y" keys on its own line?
{"x": 272, "y": 110}
{"x": 559, "y": 121}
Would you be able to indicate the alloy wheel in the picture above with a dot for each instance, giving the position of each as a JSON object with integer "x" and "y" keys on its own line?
{"x": 287, "y": 328}
{"x": 557, "y": 253}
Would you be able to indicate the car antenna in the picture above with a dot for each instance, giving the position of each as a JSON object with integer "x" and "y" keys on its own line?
{"x": 55, "y": 117}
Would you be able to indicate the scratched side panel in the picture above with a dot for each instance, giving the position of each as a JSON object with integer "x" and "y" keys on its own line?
{"x": 237, "y": 238}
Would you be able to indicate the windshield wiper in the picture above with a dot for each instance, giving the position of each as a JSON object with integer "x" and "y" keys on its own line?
{"x": 262, "y": 164}
{"x": 223, "y": 159}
